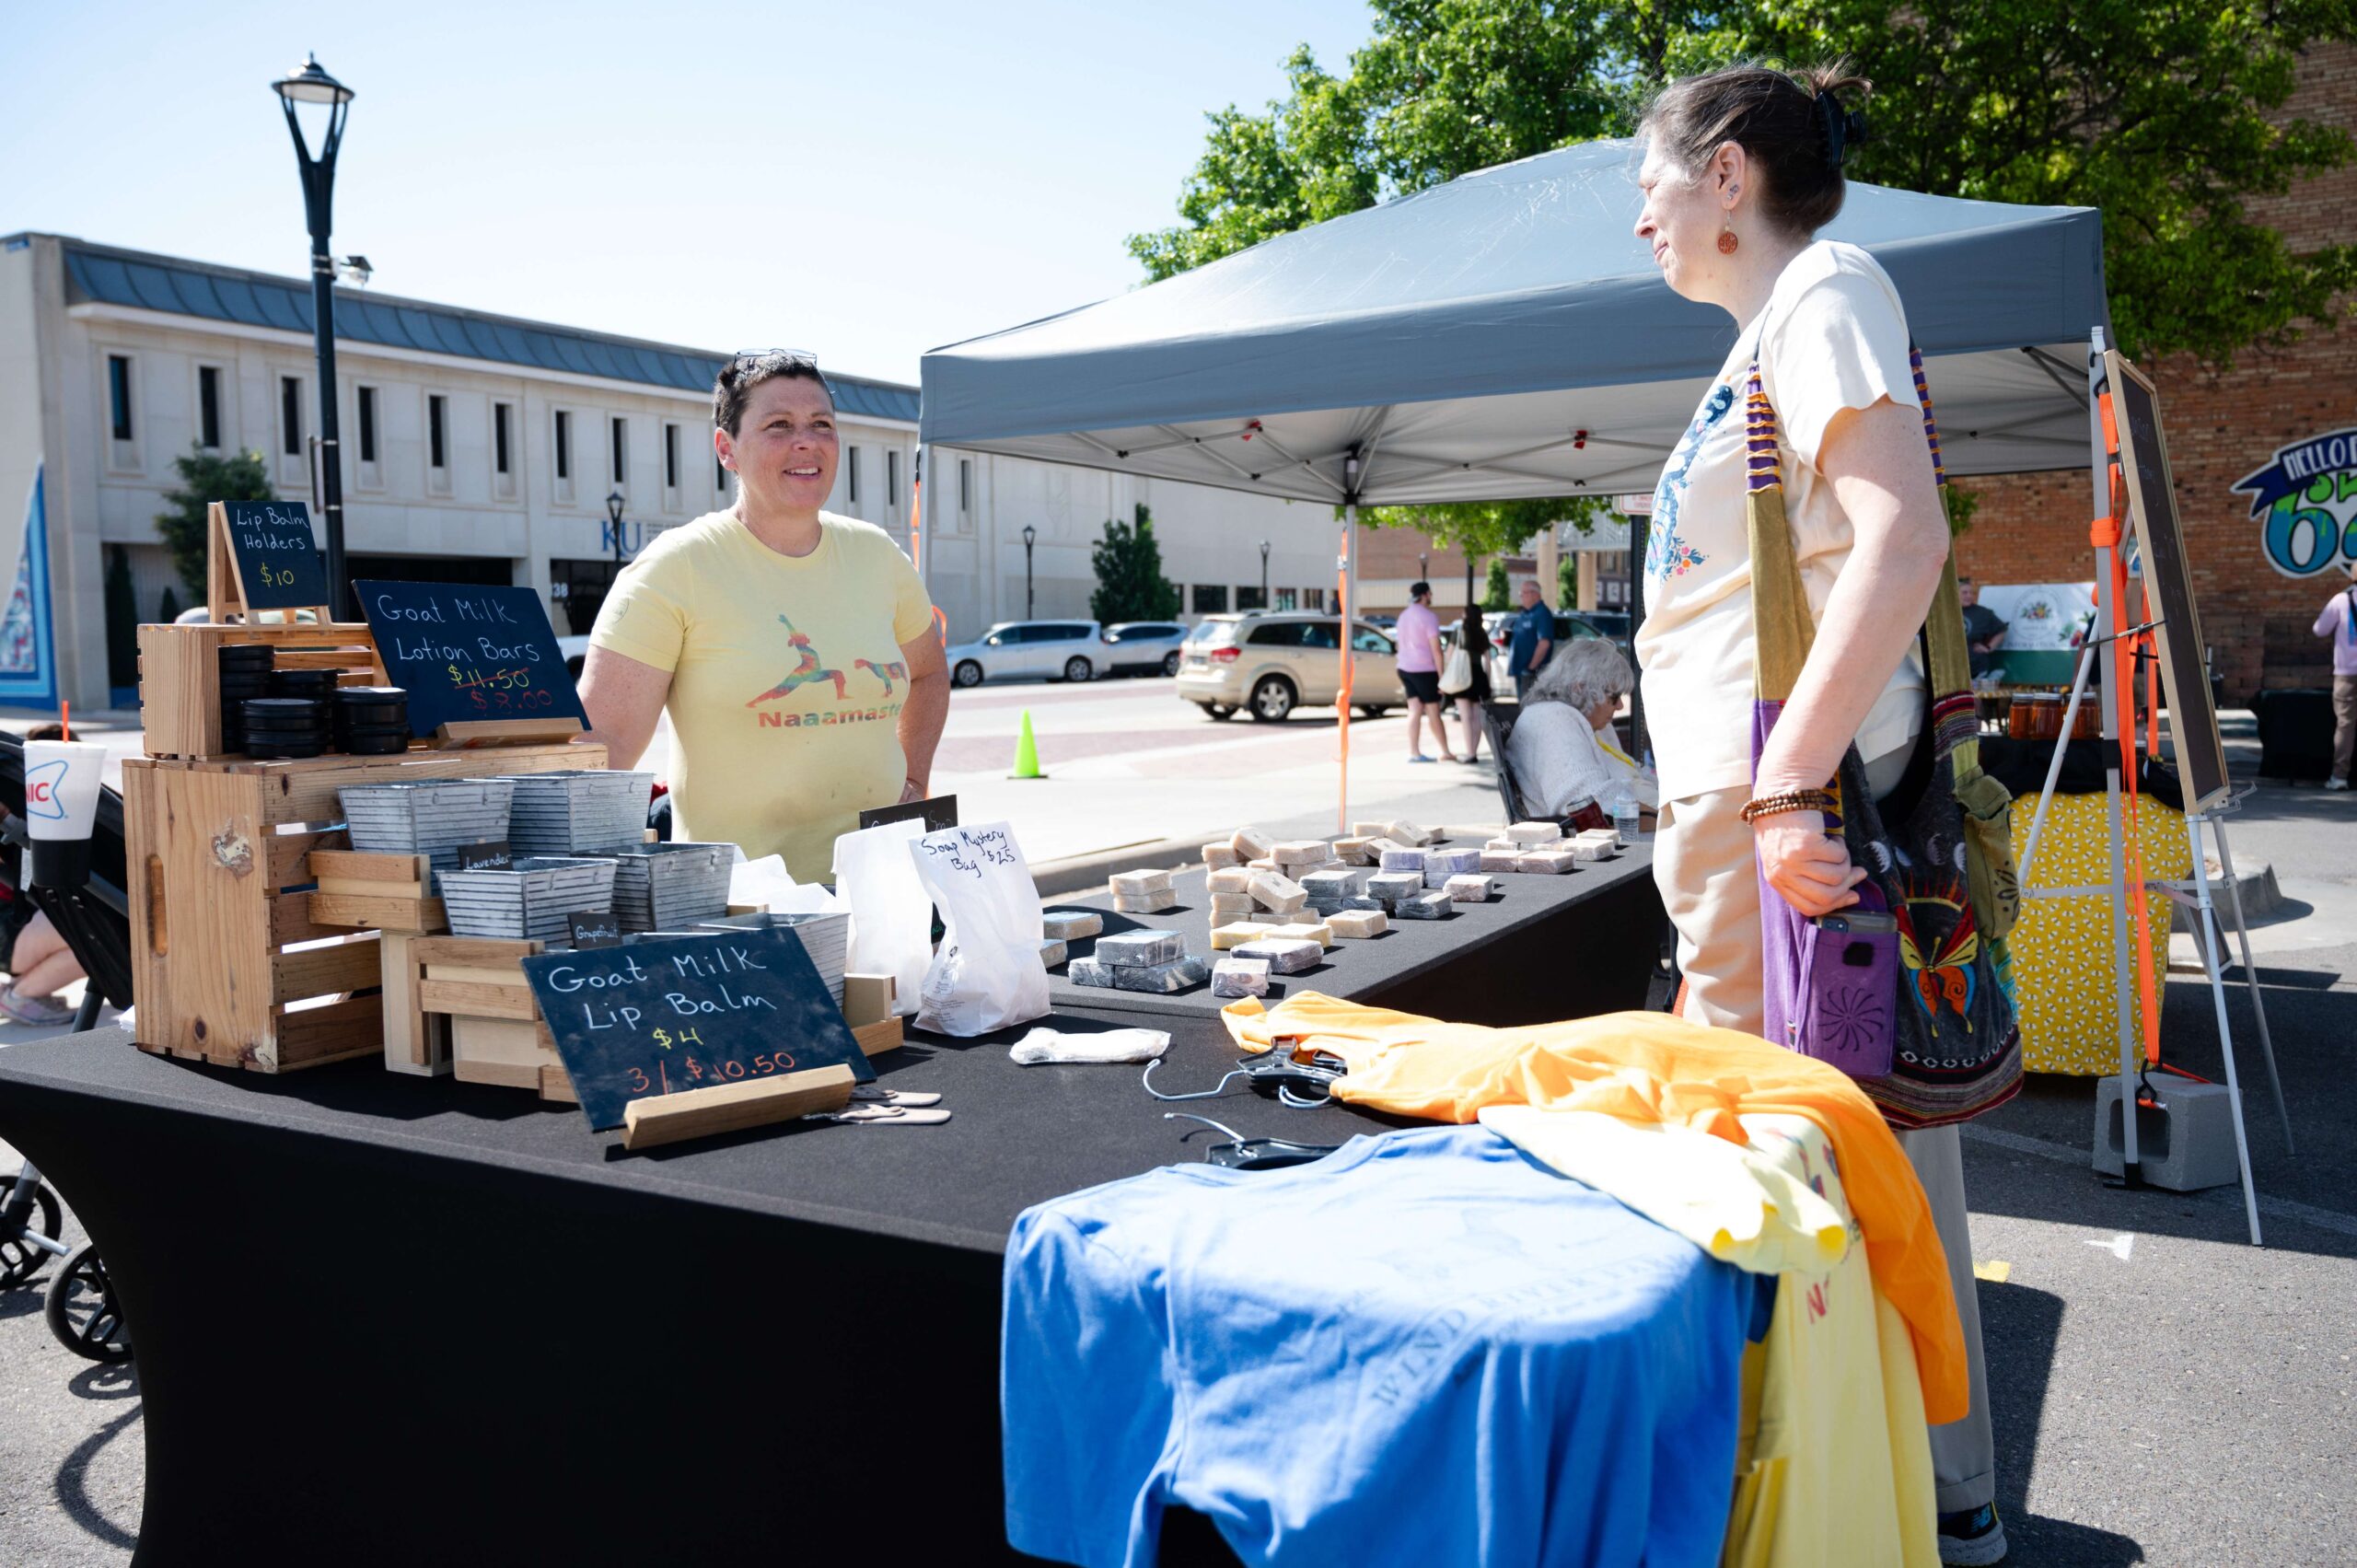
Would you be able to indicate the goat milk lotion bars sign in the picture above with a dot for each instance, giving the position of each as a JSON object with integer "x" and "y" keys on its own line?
{"x": 469, "y": 655}
{"x": 665, "y": 1014}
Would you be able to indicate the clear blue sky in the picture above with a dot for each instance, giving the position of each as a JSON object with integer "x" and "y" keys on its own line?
{"x": 864, "y": 181}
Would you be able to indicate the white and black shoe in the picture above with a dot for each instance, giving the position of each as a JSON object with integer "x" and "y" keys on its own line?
{"x": 1974, "y": 1538}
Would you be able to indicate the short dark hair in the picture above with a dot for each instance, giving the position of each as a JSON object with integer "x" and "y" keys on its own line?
{"x": 1790, "y": 122}
{"x": 740, "y": 373}
{"x": 1419, "y": 590}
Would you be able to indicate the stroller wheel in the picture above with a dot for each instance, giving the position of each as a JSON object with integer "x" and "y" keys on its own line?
{"x": 19, "y": 1259}
{"x": 82, "y": 1311}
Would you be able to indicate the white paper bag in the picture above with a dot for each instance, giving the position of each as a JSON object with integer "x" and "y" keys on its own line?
{"x": 891, "y": 914}
{"x": 987, "y": 974}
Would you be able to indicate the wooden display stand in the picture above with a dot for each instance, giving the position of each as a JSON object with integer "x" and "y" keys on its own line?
{"x": 179, "y": 674}
{"x": 388, "y": 894}
{"x": 228, "y": 963}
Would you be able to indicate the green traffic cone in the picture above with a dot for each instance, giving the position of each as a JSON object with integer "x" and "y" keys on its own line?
{"x": 1027, "y": 753}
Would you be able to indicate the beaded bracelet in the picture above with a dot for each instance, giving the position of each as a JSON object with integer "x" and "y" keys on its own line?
{"x": 1783, "y": 800}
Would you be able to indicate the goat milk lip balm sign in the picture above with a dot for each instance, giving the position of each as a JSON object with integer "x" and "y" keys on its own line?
{"x": 679, "y": 1013}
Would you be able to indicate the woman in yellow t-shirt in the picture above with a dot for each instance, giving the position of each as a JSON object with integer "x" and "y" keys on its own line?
{"x": 794, "y": 649}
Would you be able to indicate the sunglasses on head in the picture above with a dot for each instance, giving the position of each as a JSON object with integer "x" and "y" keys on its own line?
{"x": 745, "y": 359}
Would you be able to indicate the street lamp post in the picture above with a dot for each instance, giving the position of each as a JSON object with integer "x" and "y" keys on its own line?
{"x": 312, "y": 85}
{"x": 614, "y": 511}
{"x": 1264, "y": 574}
{"x": 1029, "y": 534}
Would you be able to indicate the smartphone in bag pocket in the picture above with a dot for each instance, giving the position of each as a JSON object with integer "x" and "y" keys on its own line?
{"x": 1850, "y": 992}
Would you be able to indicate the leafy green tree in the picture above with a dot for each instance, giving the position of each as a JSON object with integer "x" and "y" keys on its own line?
{"x": 2167, "y": 116}
{"x": 1129, "y": 584}
{"x": 1567, "y": 581}
{"x": 1497, "y": 589}
{"x": 168, "y": 608}
{"x": 205, "y": 476}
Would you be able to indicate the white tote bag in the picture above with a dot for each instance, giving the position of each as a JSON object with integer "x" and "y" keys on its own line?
{"x": 891, "y": 914}
{"x": 1457, "y": 675}
{"x": 988, "y": 973}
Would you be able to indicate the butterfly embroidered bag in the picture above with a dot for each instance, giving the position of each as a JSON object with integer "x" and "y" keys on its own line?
{"x": 1904, "y": 990}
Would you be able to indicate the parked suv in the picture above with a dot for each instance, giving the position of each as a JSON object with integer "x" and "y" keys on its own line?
{"x": 1065, "y": 650}
{"x": 1272, "y": 664}
{"x": 1143, "y": 647}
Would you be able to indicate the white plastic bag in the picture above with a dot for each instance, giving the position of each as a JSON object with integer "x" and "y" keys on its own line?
{"x": 987, "y": 974}
{"x": 891, "y": 914}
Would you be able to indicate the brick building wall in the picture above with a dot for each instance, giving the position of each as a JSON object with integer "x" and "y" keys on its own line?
{"x": 2256, "y": 619}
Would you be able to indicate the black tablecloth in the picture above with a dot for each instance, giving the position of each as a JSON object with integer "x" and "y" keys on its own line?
{"x": 388, "y": 1319}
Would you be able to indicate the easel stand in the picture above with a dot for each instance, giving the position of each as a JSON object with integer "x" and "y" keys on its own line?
{"x": 2115, "y": 699}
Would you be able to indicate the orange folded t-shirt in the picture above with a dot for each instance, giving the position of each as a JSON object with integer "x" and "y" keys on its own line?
{"x": 1650, "y": 1067}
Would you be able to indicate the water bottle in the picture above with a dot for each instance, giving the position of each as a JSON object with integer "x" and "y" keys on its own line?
{"x": 1624, "y": 817}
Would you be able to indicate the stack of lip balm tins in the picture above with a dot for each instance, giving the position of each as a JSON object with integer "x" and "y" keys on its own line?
{"x": 272, "y": 712}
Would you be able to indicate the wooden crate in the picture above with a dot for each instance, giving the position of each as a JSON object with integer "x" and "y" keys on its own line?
{"x": 179, "y": 674}
{"x": 229, "y": 964}
{"x": 388, "y": 894}
{"x": 497, "y": 1035}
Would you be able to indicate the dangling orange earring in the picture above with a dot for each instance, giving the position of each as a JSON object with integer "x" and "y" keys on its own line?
{"x": 1727, "y": 241}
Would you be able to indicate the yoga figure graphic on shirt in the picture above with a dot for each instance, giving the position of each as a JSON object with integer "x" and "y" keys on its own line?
{"x": 805, "y": 671}
{"x": 887, "y": 673}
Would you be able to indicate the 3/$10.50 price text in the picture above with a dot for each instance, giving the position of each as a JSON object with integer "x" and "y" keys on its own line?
{"x": 696, "y": 1073}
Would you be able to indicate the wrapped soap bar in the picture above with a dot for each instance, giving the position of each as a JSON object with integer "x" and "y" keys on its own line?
{"x": 1279, "y": 892}
{"x": 1354, "y": 850}
{"x": 1430, "y": 905}
{"x": 1407, "y": 832}
{"x": 1252, "y": 843}
{"x": 1129, "y": 948}
{"x": 1358, "y": 923}
{"x": 1587, "y": 849}
{"x": 1220, "y": 855}
{"x": 1330, "y": 883}
{"x": 1283, "y": 957}
{"x": 1233, "y": 976}
{"x": 1396, "y": 859}
{"x": 1263, "y": 864}
{"x": 1534, "y": 833}
{"x": 1162, "y": 978}
{"x": 1392, "y": 886}
{"x": 1232, "y": 906}
{"x": 1162, "y": 902}
{"x": 1451, "y": 862}
{"x": 1235, "y": 932}
{"x": 1499, "y": 860}
{"x": 1302, "y": 931}
{"x": 1071, "y": 925}
{"x": 1088, "y": 971}
{"x": 1468, "y": 889}
{"x": 1229, "y": 879}
{"x": 1501, "y": 843}
{"x": 1324, "y": 907}
{"x": 1053, "y": 951}
{"x": 1546, "y": 862}
{"x": 1298, "y": 851}
{"x": 1135, "y": 884}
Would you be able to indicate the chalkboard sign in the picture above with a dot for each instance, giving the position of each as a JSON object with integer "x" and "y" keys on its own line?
{"x": 2185, "y": 671}
{"x": 278, "y": 564}
{"x": 494, "y": 855}
{"x": 595, "y": 930}
{"x": 935, "y": 812}
{"x": 484, "y": 657}
{"x": 675, "y": 1014}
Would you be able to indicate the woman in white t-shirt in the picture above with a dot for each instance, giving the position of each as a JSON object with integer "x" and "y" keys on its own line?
{"x": 1741, "y": 168}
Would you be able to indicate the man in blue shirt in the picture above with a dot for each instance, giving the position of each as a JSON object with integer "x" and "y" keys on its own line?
{"x": 1533, "y": 638}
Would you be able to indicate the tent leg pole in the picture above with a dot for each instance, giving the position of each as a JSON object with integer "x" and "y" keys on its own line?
{"x": 1350, "y": 625}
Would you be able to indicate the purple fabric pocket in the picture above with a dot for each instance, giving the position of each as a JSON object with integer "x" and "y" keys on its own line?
{"x": 1848, "y": 987}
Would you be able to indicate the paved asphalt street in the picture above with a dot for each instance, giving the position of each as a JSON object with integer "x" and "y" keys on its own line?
{"x": 2163, "y": 1392}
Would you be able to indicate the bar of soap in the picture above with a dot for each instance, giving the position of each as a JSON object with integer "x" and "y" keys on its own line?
{"x": 1330, "y": 883}
{"x": 1370, "y": 830}
{"x": 1229, "y": 879}
{"x": 1053, "y": 951}
{"x": 1534, "y": 833}
{"x": 1146, "y": 903}
{"x": 1283, "y": 957}
{"x": 1088, "y": 971}
{"x": 1071, "y": 925}
{"x": 1408, "y": 833}
{"x": 1358, "y": 923}
{"x": 1302, "y": 931}
{"x": 1133, "y": 948}
{"x": 1501, "y": 843}
{"x": 1135, "y": 884}
{"x": 1226, "y": 904}
{"x": 1398, "y": 859}
{"x": 1587, "y": 849}
{"x": 1301, "y": 851}
{"x": 1252, "y": 843}
{"x": 1265, "y": 863}
{"x": 1451, "y": 862}
{"x": 1279, "y": 892}
{"x": 1161, "y": 979}
{"x": 1236, "y": 933}
{"x": 1429, "y": 905}
{"x": 1546, "y": 862}
{"x": 1354, "y": 850}
{"x": 1468, "y": 889}
{"x": 1233, "y": 976}
{"x": 1393, "y": 885}
{"x": 1221, "y": 854}
{"x": 1321, "y": 908}
{"x": 1499, "y": 860}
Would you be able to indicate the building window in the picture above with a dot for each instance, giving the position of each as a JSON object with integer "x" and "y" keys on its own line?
{"x": 436, "y": 410}
{"x": 1288, "y": 599}
{"x": 1210, "y": 598}
{"x": 208, "y": 406}
{"x": 563, "y": 445}
{"x": 500, "y": 414}
{"x": 965, "y": 485}
{"x": 622, "y": 441}
{"x": 119, "y": 394}
{"x": 1250, "y": 597}
{"x": 851, "y": 477}
{"x": 1313, "y": 599}
{"x": 891, "y": 478}
{"x": 290, "y": 415}
{"x": 367, "y": 399}
{"x": 670, "y": 456}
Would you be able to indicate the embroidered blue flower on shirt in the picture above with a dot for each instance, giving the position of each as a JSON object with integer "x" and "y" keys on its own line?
{"x": 1667, "y": 554}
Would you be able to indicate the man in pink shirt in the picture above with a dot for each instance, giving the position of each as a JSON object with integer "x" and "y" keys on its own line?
{"x": 2339, "y": 621}
{"x": 1419, "y": 637}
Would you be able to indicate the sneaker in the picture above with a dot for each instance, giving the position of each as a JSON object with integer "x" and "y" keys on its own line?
{"x": 39, "y": 1012}
{"x": 1974, "y": 1538}
{"x": 2336, "y": 784}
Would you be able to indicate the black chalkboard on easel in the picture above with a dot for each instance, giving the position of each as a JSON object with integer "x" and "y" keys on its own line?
{"x": 677, "y": 1013}
{"x": 480, "y": 664}
{"x": 262, "y": 556}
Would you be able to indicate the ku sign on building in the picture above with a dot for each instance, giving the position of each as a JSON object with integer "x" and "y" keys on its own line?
{"x": 2306, "y": 503}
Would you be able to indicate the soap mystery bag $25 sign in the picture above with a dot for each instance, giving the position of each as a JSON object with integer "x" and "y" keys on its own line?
{"x": 987, "y": 974}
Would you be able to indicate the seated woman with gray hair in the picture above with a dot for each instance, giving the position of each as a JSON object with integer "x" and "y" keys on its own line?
{"x": 1561, "y": 749}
